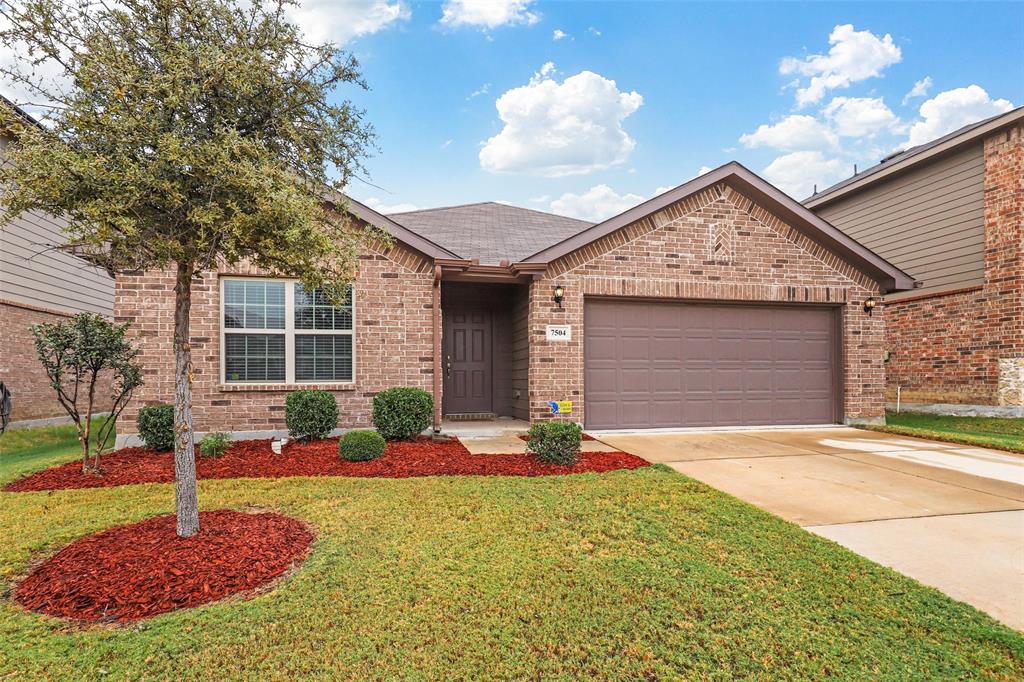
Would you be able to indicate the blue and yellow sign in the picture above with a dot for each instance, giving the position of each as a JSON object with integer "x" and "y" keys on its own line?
{"x": 560, "y": 406}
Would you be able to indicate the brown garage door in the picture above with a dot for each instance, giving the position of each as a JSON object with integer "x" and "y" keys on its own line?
{"x": 652, "y": 365}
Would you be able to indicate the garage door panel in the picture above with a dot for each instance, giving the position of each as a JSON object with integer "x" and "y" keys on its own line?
{"x": 668, "y": 365}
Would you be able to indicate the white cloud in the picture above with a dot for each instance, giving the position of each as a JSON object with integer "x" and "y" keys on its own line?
{"x": 380, "y": 207}
{"x": 954, "y": 109}
{"x": 482, "y": 90}
{"x": 568, "y": 128}
{"x": 340, "y": 22}
{"x": 488, "y": 14}
{"x": 559, "y": 34}
{"x": 594, "y": 32}
{"x": 860, "y": 116}
{"x": 854, "y": 56}
{"x": 447, "y": 143}
{"x": 792, "y": 133}
{"x": 700, "y": 172}
{"x": 596, "y": 204}
{"x": 797, "y": 173}
{"x": 920, "y": 89}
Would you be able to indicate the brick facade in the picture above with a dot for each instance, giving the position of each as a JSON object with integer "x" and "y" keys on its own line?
{"x": 671, "y": 255}
{"x": 714, "y": 245}
{"x": 31, "y": 395}
{"x": 393, "y": 343}
{"x": 967, "y": 346}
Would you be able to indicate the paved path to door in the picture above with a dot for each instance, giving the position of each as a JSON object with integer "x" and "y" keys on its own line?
{"x": 950, "y": 516}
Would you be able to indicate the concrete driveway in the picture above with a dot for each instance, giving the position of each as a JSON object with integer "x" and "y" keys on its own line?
{"x": 950, "y": 516}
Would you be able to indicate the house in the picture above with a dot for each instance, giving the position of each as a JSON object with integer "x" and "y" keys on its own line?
{"x": 951, "y": 214}
{"x": 39, "y": 283}
{"x": 722, "y": 302}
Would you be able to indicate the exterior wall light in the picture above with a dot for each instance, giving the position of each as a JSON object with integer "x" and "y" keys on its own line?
{"x": 559, "y": 294}
{"x": 869, "y": 304}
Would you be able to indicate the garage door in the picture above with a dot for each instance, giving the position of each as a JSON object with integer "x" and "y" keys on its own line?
{"x": 655, "y": 365}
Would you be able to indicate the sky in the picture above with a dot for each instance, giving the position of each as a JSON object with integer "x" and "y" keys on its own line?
{"x": 588, "y": 108}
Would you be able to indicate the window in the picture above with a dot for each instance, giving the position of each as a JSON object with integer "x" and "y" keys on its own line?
{"x": 274, "y": 331}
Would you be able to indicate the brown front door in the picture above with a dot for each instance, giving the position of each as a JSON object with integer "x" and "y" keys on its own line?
{"x": 651, "y": 365}
{"x": 467, "y": 361}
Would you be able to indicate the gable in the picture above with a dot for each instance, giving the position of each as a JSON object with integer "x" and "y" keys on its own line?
{"x": 717, "y": 235}
{"x": 767, "y": 202}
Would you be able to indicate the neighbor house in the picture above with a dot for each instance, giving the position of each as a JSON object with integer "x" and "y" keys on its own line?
{"x": 722, "y": 302}
{"x": 951, "y": 214}
{"x": 39, "y": 282}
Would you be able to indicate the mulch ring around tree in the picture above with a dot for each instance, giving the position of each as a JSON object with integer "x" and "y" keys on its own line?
{"x": 255, "y": 459}
{"x": 144, "y": 569}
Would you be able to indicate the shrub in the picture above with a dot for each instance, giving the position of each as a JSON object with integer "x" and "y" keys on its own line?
{"x": 361, "y": 446}
{"x": 214, "y": 444}
{"x": 556, "y": 442}
{"x": 156, "y": 426}
{"x": 310, "y": 414}
{"x": 402, "y": 413}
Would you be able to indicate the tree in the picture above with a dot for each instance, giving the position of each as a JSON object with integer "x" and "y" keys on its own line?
{"x": 77, "y": 355}
{"x": 187, "y": 133}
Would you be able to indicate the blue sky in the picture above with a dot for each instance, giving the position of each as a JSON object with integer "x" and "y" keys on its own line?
{"x": 639, "y": 96}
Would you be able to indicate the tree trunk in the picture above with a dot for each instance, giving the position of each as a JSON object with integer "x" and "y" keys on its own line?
{"x": 186, "y": 505}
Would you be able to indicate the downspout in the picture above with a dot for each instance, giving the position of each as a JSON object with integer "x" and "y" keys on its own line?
{"x": 436, "y": 307}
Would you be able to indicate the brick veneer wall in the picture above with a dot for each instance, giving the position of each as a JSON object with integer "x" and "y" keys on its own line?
{"x": 32, "y": 397}
{"x": 669, "y": 256}
{"x": 968, "y": 346}
{"x": 393, "y": 343}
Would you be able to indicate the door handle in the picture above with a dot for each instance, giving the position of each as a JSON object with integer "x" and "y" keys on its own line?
{"x": 448, "y": 366}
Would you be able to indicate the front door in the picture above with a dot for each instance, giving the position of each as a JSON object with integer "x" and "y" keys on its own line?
{"x": 467, "y": 361}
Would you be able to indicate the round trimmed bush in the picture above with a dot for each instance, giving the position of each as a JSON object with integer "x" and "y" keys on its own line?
{"x": 310, "y": 414}
{"x": 156, "y": 426}
{"x": 556, "y": 442}
{"x": 402, "y": 413}
{"x": 361, "y": 446}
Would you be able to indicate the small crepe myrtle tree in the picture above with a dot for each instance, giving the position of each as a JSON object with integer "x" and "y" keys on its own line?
{"x": 179, "y": 135}
{"x": 79, "y": 355}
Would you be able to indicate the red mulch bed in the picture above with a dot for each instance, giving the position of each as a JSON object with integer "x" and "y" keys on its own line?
{"x": 144, "y": 569}
{"x": 255, "y": 459}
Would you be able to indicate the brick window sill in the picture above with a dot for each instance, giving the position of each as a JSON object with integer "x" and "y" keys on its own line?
{"x": 249, "y": 388}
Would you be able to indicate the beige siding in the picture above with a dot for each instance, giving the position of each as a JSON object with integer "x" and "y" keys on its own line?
{"x": 34, "y": 273}
{"x": 930, "y": 222}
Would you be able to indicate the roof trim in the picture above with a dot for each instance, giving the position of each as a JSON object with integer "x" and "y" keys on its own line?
{"x": 399, "y": 232}
{"x": 764, "y": 194}
{"x": 910, "y": 158}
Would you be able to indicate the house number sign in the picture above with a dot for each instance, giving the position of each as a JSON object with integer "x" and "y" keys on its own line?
{"x": 559, "y": 332}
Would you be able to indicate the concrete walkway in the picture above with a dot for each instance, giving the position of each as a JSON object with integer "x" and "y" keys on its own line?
{"x": 947, "y": 515}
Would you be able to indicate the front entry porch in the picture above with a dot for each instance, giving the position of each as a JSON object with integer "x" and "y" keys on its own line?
{"x": 484, "y": 352}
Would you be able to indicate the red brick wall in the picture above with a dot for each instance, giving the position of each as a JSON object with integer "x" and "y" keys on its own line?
{"x": 20, "y": 369}
{"x": 968, "y": 346}
{"x": 393, "y": 344}
{"x": 668, "y": 256}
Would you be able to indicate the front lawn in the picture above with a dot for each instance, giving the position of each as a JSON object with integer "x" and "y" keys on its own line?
{"x": 989, "y": 432}
{"x": 24, "y": 450}
{"x": 640, "y": 574}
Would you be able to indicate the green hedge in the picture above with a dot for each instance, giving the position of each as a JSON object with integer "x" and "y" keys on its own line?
{"x": 361, "y": 446}
{"x": 310, "y": 414}
{"x": 556, "y": 442}
{"x": 156, "y": 426}
{"x": 402, "y": 413}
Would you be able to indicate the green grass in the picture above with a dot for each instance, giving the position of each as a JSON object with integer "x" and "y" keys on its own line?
{"x": 990, "y": 432}
{"x": 24, "y": 450}
{"x": 630, "y": 575}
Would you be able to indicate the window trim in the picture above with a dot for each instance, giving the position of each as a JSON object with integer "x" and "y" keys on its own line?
{"x": 289, "y": 332}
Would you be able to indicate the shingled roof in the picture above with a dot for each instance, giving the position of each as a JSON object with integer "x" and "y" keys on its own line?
{"x": 489, "y": 231}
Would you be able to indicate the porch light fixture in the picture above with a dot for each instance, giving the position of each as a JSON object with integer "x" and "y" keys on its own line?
{"x": 559, "y": 294}
{"x": 869, "y": 304}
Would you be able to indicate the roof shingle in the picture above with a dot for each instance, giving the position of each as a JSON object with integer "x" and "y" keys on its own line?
{"x": 489, "y": 231}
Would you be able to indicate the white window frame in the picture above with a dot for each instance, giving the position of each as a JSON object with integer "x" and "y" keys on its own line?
{"x": 289, "y": 332}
